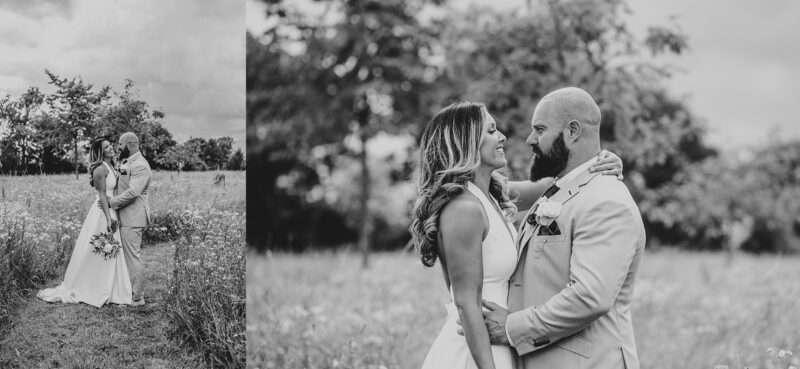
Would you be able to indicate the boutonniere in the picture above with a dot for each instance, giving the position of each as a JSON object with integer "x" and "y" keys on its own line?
{"x": 547, "y": 212}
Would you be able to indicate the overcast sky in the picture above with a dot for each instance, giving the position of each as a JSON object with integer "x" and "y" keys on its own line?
{"x": 741, "y": 74}
{"x": 186, "y": 57}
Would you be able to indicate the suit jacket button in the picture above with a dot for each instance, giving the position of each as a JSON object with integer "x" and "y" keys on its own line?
{"x": 541, "y": 341}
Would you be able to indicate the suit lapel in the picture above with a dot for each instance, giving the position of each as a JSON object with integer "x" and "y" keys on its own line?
{"x": 570, "y": 190}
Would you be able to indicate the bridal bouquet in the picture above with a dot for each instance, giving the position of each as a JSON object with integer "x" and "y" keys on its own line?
{"x": 105, "y": 245}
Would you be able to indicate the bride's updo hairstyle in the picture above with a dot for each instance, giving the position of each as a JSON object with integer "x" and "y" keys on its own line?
{"x": 95, "y": 156}
{"x": 449, "y": 156}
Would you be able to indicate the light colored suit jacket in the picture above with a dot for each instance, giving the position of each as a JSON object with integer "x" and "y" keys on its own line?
{"x": 570, "y": 295}
{"x": 131, "y": 193}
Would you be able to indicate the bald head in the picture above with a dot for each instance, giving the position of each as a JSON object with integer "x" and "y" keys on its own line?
{"x": 128, "y": 144}
{"x": 128, "y": 137}
{"x": 565, "y": 131}
{"x": 568, "y": 104}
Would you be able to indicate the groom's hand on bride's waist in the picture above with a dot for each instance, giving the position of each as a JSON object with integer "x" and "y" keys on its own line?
{"x": 111, "y": 204}
{"x": 494, "y": 316}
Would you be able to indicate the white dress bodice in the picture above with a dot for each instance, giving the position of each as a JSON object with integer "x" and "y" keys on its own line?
{"x": 111, "y": 180}
{"x": 499, "y": 250}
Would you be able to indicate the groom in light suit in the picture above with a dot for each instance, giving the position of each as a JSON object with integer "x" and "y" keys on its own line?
{"x": 130, "y": 200}
{"x": 579, "y": 249}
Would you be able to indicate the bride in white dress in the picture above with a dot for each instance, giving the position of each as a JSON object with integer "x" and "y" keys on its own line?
{"x": 89, "y": 277}
{"x": 462, "y": 218}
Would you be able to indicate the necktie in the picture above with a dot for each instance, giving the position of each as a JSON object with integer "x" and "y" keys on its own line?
{"x": 550, "y": 191}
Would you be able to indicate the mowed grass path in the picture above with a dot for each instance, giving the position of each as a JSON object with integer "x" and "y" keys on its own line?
{"x": 79, "y": 336}
{"x": 692, "y": 310}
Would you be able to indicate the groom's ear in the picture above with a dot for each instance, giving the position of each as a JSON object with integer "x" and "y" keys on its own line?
{"x": 574, "y": 130}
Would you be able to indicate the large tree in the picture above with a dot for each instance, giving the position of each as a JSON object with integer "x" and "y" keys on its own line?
{"x": 509, "y": 60}
{"x": 19, "y": 116}
{"x": 75, "y": 104}
{"x": 358, "y": 67}
{"x": 216, "y": 151}
{"x": 236, "y": 162}
{"x": 130, "y": 113}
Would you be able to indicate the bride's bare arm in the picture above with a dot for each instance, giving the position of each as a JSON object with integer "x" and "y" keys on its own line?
{"x": 463, "y": 226}
{"x": 99, "y": 178}
{"x": 528, "y": 192}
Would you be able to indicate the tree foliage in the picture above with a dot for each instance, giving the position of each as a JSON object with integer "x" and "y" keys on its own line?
{"x": 762, "y": 190}
{"x": 321, "y": 85}
{"x": 357, "y": 68}
{"x": 131, "y": 114}
{"x": 20, "y": 144}
{"x": 509, "y": 60}
{"x": 75, "y": 104}
{"x": 236, "y": 162}
{"x": 47, "y": 133}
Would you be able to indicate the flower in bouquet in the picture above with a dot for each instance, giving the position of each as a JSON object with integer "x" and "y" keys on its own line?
{"x": 105, "y": 245}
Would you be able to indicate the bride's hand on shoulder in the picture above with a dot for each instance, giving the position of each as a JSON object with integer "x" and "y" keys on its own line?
{"x": 608, "y": 163}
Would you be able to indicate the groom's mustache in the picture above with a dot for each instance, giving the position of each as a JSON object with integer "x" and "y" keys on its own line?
{"x": 537, "y": 150}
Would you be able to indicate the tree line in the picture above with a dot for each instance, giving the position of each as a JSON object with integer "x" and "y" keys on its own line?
{"x": 322, "y": 85}
{"x": 43, "y": 133}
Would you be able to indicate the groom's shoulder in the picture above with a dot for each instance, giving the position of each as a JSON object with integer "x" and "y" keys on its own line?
{"x": 141, "y": 161}
{"x": 605, "y": 188}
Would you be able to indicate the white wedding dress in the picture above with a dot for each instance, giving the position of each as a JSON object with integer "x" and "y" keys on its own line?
{"x": 449, "y": 350}
{"x": 89, "y": 277}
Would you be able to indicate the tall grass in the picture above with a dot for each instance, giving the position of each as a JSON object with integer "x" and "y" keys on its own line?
{"x": 34, "y": 248}
{"x": 691, "y": 310}
{"x": 207, "y": 292}
{"x": 40, "y": 217}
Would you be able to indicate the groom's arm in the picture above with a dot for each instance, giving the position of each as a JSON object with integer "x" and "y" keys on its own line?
{"x": 603, "y": 248}
{"x": 140, "y": 175}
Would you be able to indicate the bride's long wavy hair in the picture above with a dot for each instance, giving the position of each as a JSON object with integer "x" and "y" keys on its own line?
{"x": 96, "y": 156}
{"x": 449, "y": 155}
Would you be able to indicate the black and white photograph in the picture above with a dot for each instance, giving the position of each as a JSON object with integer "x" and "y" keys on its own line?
{"x": 521, "y": 184}
{"x": 122, "y": 184}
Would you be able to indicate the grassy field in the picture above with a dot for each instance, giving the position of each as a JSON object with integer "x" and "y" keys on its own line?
{"x": 195, "y": 277}
{"x": 692, "y": 310}
{"x": 81, "y": 336}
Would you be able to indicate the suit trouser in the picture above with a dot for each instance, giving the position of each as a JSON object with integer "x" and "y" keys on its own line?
{"x": 132, "y": 246}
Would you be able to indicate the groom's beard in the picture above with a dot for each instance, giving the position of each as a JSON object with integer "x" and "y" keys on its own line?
{"x": 552, "y": 163}
{"x": 124, "y": 153}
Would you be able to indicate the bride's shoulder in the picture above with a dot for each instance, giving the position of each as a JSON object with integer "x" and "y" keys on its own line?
{"x": 100, "y": 171}
{"x": 464, "y": 212}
